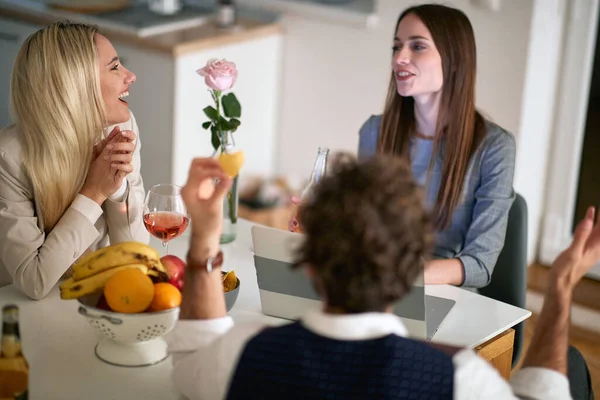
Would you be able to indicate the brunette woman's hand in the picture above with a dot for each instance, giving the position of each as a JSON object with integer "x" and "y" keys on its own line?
{"x": 110, "y": 164}
{"x": 293, "y": 225}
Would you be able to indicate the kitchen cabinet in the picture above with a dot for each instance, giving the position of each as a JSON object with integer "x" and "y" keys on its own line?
{"x": 12, "y": 35}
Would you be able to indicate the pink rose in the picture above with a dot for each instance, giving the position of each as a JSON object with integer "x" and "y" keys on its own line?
{"x": 219, "y": 74}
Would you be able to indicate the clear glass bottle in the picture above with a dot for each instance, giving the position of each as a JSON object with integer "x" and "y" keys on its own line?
{"x": 226, "y": 14}
{"x": 231, "y": 200}
{"x": 318, "y": 172}
{"x": 14, "y": 370}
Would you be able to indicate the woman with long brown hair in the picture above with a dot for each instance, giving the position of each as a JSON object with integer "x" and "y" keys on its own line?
{"x": 465, "y": 162}
{"x": 70, "y": 164}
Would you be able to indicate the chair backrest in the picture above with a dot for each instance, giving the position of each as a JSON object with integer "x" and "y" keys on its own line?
{"x": 509, "y": 279}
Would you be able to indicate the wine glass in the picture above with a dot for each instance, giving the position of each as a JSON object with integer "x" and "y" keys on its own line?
{"x": 165, "y": 216}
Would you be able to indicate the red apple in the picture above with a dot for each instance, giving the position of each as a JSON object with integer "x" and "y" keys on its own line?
{"x": 175, "y": 268}
{"x": 102, "y": 303}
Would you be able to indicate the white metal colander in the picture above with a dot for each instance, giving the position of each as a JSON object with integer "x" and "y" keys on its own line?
{"x": 129, "y": 340}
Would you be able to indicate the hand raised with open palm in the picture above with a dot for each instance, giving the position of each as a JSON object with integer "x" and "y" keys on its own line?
{"x": 583, "y": 253}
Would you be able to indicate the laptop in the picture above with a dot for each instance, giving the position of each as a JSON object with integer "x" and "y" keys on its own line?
{"x": 287, "y": 293}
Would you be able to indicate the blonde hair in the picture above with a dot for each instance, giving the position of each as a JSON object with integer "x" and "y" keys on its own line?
{"x": 56, "y": 104}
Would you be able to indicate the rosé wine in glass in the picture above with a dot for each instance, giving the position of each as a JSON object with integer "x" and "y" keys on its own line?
{"x": 165, "y": 225}
{"x": 165, "y": 216}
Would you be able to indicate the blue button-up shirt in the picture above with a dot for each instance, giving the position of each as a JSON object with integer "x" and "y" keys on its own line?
{"x": 476, "y": 234}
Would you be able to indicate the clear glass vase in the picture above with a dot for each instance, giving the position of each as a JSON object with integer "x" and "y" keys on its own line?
{"x": 230, "y": 213}
{"x": 231, "y": 200}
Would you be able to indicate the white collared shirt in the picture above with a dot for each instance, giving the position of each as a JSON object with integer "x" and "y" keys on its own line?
{"x": 205, "y": 355}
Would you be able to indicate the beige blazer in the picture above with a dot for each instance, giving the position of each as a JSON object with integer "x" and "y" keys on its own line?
{"x": 33, "y": 261}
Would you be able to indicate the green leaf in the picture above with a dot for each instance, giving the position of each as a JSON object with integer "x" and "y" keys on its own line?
{"x": 211, "y": 112}
{"x": 234, "y": 124}
{"x": 207, "y": 124}
{"x": 223, "y": 124}
{"x": 231, "y": 106}
{"x": 214, "y": 138}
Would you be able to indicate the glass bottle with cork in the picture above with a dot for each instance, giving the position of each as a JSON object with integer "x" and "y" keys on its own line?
{"x": 318, "y": 172}
{"x": 14, "y": 370}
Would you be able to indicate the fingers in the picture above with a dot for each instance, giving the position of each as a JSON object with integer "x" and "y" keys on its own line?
{"x": 199, "y": 186}
{"x": 205, "y": 163}
{"x": 292, "y": 224}
{"x": 221, "y": 188}
{"x": 129, "y": 135}
{"x": 201, "y": 181}
{"x": 125, "y": 168}
{"x": 112, "y": 134}
{"x": 594, "y": 237}
{"x": 125, "y": 147}
{"x": 583, "y": 230}
{"x": 120, "y": 158}
{"x": 295, "y": 200}
{"x": 119, "y": 153}
{"x": 119, "y": 176}
{"x": 100, "y": 146}
{"x": 111, "y": 138}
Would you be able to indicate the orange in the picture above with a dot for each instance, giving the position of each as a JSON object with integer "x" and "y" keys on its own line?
{"x": 129, "y": 291}
{"x": 231, "y": 162}
{"x": 166, "y": 296}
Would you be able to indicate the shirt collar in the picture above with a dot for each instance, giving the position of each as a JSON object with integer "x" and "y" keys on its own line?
{"x": 363, "y": 326}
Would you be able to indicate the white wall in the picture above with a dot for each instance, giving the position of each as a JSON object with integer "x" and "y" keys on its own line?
{"x": 538, "y": 106}
{"x": 334, "y": 77}
{"x": 577, "y": 58}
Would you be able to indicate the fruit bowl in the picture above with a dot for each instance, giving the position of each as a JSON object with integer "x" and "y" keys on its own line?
{"x": 134, "y": 340}
{"x": 232, "y": 295}
{"x": 130, "y": 340}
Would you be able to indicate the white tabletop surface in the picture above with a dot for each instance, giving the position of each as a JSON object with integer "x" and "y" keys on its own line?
{"x": 59, "y": 343}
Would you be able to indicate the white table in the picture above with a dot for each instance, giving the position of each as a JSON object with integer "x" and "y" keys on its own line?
{"x": 59, "y": 343}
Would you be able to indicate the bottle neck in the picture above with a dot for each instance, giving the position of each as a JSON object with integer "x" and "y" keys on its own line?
{"x": 318, "y": 172}
{"x": 320, "y": 167}
{"x": 11, "y": 340}
{"x": 227, "y": 142}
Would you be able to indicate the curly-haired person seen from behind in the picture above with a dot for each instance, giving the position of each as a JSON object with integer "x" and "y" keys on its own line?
{"x": 363, "y": 250}
{"x": 366, "y": 232}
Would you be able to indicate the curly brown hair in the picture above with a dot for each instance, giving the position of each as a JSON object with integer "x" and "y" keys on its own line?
{"x": 366, "y": 233}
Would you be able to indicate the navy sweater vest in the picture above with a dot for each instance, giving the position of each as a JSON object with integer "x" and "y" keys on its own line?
{"x": 291, "y": 362}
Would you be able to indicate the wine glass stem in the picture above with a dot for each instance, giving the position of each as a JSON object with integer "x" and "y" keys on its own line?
{"x": 166, "y": 246}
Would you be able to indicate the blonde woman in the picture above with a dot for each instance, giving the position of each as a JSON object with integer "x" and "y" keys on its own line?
{"x": 70, "y": 165}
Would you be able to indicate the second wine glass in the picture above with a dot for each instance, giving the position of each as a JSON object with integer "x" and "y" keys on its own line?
{"x": 165, "y": 216}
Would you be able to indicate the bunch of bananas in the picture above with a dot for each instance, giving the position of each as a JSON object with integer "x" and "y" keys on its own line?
{"x": 93, "y": 270}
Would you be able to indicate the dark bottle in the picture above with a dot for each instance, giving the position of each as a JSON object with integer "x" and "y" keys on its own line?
{"x": 14, "y": 370}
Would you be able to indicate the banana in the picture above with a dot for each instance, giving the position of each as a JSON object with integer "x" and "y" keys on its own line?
{"x": 73, "y": 289}
{"x": 160, "y": 276}
{"x": 116, "y": 255}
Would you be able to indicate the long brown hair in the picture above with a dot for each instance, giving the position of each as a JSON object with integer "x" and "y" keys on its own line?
{"x": 459, "y": 127}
